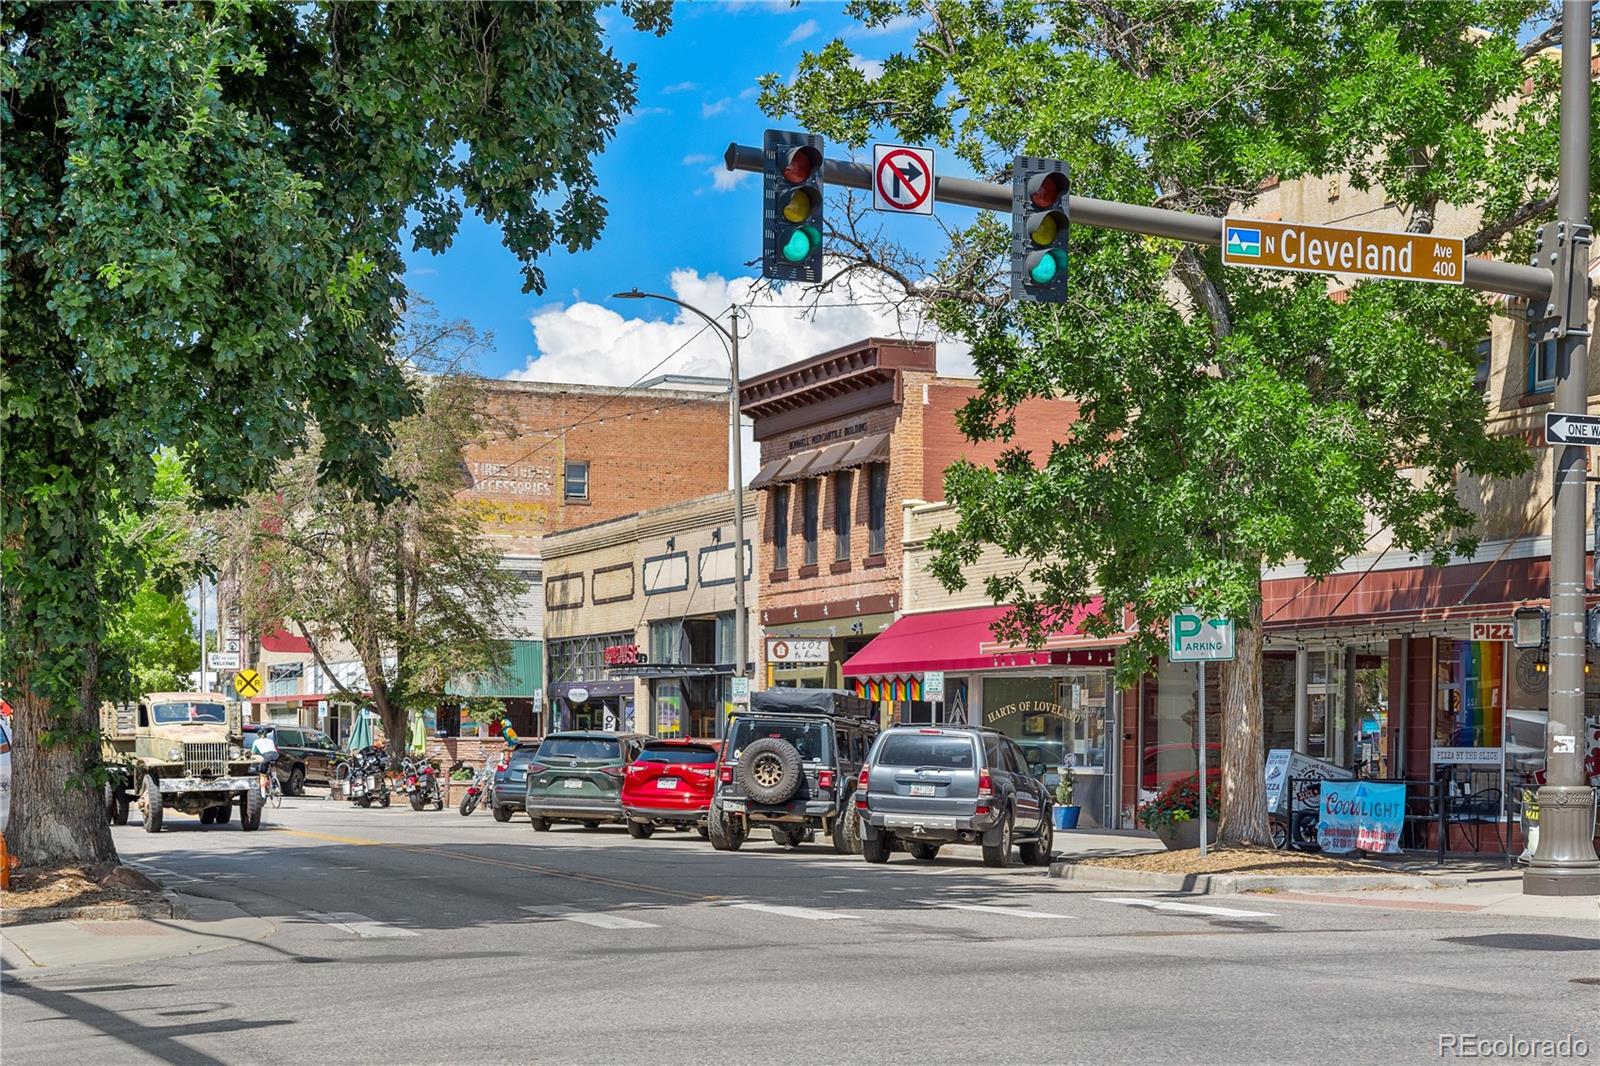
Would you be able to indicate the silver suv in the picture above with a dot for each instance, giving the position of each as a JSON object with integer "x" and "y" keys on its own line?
{"x": 929, "y": 786}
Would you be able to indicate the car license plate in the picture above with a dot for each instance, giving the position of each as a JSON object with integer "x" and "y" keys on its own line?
{"x": 922, "y": 790}
{"x": 666, "y": 782}
{"x": 571, "y": 783}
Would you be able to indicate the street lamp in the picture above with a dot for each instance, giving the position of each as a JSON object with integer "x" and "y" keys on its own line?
{"x": 730, "y": 342}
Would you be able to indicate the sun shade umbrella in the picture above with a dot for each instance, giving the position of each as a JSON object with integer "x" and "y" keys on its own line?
{"x": 361, "y": 731}
{"x": 417, "y": 734}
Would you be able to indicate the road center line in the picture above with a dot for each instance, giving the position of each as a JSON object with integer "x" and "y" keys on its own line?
{"x": 1187, "y": 908}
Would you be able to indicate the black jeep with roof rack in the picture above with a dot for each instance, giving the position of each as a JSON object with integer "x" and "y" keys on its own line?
{"x": 790, "y": 762}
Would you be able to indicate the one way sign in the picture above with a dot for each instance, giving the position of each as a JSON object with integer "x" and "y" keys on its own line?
{"x": 1572, "y": 429}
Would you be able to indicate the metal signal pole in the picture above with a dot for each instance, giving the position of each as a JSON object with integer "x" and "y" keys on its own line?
{"x": 1564, "y": 864}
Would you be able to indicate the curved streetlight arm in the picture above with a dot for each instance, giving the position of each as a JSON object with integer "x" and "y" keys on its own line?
{"x": 637, "y": 294}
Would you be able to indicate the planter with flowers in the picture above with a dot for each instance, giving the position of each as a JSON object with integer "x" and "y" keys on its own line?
{"x": 1174, "y": 815}
{"x": 1064, "y": 812}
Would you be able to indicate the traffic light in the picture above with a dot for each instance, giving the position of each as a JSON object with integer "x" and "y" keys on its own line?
{"x": 791, "y": 220}
{"x": 1039, "y": 226}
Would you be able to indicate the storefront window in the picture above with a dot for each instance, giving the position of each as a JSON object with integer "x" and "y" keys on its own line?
{"x": 1170, "y": 734}
{"x": 1277, "y": 699}
{"x": 780, "y": 527}
{"x": 1471, "y": 701}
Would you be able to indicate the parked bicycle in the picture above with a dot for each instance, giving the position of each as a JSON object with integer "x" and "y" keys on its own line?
{"x": 480, "y": 791}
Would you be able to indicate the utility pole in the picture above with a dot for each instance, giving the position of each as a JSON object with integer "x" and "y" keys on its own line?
{"x": 1565, "y": 864}
{"x": 203, "y": 633}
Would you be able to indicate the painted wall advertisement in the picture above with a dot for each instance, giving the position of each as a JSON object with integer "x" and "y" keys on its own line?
{"x": 1361, "y": 816}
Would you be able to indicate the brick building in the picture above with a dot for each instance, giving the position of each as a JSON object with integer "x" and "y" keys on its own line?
{"x": 845, "y": 437}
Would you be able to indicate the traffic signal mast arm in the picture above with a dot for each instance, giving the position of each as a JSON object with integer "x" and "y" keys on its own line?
{"x": 1486, "y": 275}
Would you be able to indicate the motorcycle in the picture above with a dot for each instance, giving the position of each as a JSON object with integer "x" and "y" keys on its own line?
{"x": 366, "y": 778}
{"x": 480, "y": 791}
{"x": 422, "y": 784}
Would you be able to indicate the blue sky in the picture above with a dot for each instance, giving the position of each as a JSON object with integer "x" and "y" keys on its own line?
{"x": 696, "y": 89}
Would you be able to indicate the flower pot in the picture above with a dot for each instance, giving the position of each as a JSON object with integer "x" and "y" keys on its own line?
{"x": 1180, "y": 836}
{"x": 1066, "y": 817}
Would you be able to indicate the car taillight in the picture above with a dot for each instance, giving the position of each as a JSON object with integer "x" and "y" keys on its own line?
{"x": 861, "y": 790}
{"x": 985, "y": 790}
{"x": 824, "y": 778}
{"x": 725, "y": 775}
{"x": 500, "y": 767}
{"x": 614, "y": 771}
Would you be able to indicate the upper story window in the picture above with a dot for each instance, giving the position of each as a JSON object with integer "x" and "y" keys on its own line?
{"x": 809, "y": 493}
{"x": 780, "y": 527}
{"x": 877, "y": 506}
{"x": 1542, "y": 366}
{"x": 843, "y": 483}
{"x": 575, "y": 481}
{"x": 1485, "y": 352}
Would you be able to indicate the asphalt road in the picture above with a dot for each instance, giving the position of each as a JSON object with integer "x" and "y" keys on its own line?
{"x": 429, "y": 938}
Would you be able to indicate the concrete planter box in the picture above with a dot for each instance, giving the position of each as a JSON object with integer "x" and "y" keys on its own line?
{"x": 1185, "y": 835}
{"x": 455, "y": 793}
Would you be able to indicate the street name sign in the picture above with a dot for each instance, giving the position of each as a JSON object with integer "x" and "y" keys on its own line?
{"x": 1571, "y": 429}
{"x": 1194, "y": 638}
{"x": 1266, "y": 245}
{"x": 902, "y": 179}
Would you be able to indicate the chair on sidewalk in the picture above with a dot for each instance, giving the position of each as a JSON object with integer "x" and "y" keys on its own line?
{"x": 1475, "y": 811}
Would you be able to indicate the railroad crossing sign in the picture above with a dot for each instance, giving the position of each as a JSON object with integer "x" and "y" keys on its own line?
{"x": 247, "y": 683}
{"x": 1572, "y": 429}
{"x": 1249, "y": 242}
{"x": 902, "y": 179}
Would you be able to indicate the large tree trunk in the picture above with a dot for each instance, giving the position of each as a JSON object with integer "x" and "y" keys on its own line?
{"x": 58, "y": 815}
{"x": 1244, "y": 797}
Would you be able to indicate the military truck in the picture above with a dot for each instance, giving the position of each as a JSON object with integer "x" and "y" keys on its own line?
{"x": 179, "y": 751}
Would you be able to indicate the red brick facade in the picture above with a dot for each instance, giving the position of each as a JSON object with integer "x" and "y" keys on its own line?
{"x": 643, "y": 449}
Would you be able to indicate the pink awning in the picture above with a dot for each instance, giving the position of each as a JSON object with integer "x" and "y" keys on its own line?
{"x": 964, "y": 640}
{"x": 284, "y": 641}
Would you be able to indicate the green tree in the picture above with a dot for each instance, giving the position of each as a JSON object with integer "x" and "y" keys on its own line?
{"x": 203, "y": 207}
{"x": 411, "y": 589}
{"x": 149, "y": 645}
{"x": 1229, "y": 420}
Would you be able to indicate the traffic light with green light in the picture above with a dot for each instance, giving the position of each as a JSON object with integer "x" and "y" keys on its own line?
{"x": 1039, "y": 227}
{"x": 791, "y": 221}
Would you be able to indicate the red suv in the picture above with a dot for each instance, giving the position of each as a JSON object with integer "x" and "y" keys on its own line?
{"x": 670, "y": 783}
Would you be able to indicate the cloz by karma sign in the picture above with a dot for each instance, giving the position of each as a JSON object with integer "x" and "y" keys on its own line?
{"x": 1194, "y": 638}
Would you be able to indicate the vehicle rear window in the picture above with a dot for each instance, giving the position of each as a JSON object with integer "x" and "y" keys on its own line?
{"x": 681, "y": 754}
{"x": 522, "y": 757}
{"x": 581, "y": 748}
{"x": 926, "y": 749}
{"x": 807, "y": 737}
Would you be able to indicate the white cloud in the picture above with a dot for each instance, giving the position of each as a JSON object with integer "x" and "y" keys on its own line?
{"x": 587, "y": 343}
{"x": 872, "y": 69}
{"x": 679, "y": 87}
{"x": 696, "y": 159}
{"x": 898, "y": 24}
{"x": 750, "y": 94}
{"x": 801, "y": 32}
{"x": 716, "y": 107}
{"x": 723, "y": 179}
{"x": 639, "y": 114}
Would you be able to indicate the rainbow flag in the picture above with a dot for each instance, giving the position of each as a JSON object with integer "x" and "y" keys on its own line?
{"x": 889, "y": 689}
{"x": 1480, "y": 664}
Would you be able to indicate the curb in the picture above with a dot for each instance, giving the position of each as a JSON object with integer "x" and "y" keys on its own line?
{"x": 1235, "y": 884}
{"x": 167, "y": 907}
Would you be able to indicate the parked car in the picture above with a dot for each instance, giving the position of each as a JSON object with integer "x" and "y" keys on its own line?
{"x": 790, "y": 763}
{"x": 670, "y": 784}
{"x": 511, "y": 779}
{"x": 303, "y": 755}
{"x": 927, "y": 786}
{"x": 577, "y": 777}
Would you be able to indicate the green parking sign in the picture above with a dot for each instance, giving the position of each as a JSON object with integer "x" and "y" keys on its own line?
{"x": 1194, "y": 638}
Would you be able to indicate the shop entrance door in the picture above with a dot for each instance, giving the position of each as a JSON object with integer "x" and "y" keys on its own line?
{"x": 1088, "y": 703}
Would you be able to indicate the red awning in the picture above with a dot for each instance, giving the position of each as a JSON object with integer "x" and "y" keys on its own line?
{"x": 284, "y": 641}
{"x": 964, "y": 640}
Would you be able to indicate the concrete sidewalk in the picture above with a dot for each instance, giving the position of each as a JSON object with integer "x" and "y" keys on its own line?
{"x": 47, "y": 948}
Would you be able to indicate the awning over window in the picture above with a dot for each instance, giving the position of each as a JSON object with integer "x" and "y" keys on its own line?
{"x": 819, "y": 461}
{"x": 964, "y": 640}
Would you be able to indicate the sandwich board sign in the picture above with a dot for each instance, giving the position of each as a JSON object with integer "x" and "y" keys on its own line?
{"x": 1194, "y": 638}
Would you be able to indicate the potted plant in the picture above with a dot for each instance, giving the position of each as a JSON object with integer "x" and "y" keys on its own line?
{"x": 1065, "y": 812}
{"x": 1174, "y": 814}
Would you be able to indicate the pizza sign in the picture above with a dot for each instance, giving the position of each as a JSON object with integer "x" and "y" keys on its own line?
{"x": 1491, "y": 631}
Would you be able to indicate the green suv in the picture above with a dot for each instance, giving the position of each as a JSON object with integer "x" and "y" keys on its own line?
{"x": 577, "y": 777}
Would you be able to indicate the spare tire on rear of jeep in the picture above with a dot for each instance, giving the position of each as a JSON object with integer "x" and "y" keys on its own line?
{"x": 770, "y": 770}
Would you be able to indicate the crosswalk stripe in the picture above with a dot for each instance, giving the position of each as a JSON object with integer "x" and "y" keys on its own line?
{"x": 360, "y": 925}
{"x": 987, "y": 908}
{"x": 1187, "y": 908}
{"x": 808, "y": 913}
{"x": 597, "y": 919}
